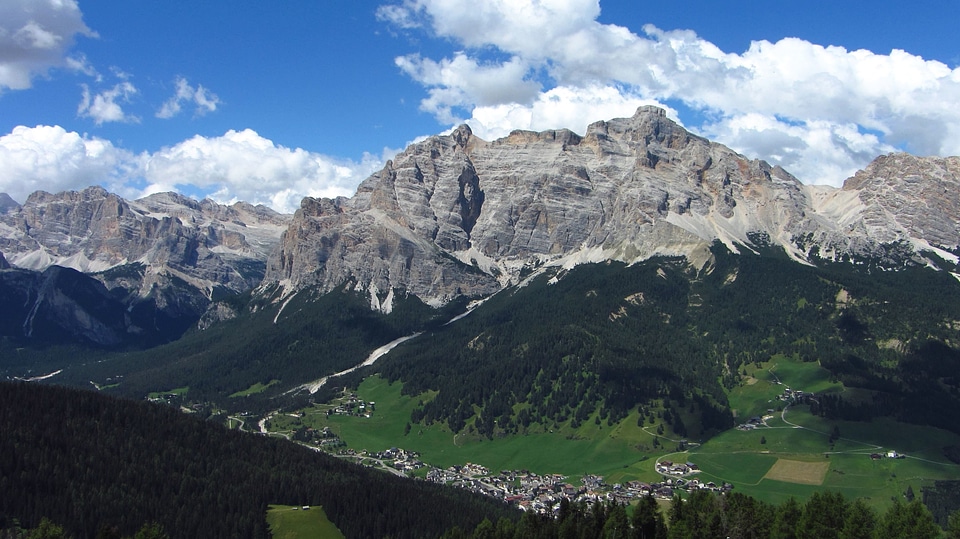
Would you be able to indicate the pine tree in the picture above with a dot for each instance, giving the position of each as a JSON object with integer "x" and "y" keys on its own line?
{"x": 860, "y": 521}
{"x": 617, "y": 526}
{"x": 648, "y": 520}
{"x": 786, "y": 520}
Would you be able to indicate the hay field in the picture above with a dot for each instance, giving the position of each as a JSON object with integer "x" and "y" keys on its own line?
{"x": 799, "y": 472}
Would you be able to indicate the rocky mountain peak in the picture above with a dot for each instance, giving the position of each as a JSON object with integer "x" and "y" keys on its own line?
{"x": 164, "y": 250}
{"x": 7, "y": 203}
{"x": 457, "y": 215}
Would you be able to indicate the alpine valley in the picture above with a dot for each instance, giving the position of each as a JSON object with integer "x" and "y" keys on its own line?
{"x": 619, "y": 296}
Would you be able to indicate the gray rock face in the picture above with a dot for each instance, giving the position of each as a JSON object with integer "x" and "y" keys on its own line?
{"x": 203, "y": 243}
{"x": 459, "y": 215}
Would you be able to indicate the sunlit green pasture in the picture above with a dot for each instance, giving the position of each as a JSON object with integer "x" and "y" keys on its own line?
{"x": 292, "y": 522}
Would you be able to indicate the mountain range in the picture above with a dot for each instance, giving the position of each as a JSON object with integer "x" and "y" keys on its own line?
{"x": 455, "y": 216}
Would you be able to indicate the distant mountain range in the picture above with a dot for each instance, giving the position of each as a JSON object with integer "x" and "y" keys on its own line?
{"x": 456, "y": 216}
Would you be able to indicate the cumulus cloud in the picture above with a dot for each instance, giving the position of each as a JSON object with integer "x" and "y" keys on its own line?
{"x": 820, "y": 111}
{"x": 571, "y": 107}
{"x": 107, "y": 106}
{"x": 201, "y": 98}
{"x": 53, "y": 159}
{"x": 240, "y": 165}
{"x": 35, "y": 37}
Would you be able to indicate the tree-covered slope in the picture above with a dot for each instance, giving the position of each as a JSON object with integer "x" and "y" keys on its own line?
{"x": 617, "y": 337}
{"x": 292, "y": 342}
{"x": 85, "y": 461}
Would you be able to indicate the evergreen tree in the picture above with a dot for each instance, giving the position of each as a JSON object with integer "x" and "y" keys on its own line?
{"x": 823, "y": 516}
{"x": 908, "y": 521}
{"x": 648, "y": 520}
{"x": 860, "y": 521}
{"x": 47, "y": 530}
{"x": 786, "y": 520}
{"x": 151, "y": 530}
{"x": 617, "y": 526}
{"x": 953, "y": 526}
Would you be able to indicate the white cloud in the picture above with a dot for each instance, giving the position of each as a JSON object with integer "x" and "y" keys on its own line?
{"x": 818, "y": 152}
{"x": 574, "y": 108}
{"x": 203, "y": 100}
{"x": 820, "y": 111}
{"x": 53, "y": 159}
{"x": 240, "y": 165}
{"x": 35, "y": 36}
{"x": 106, "y": 106}
{"x": 463, "y": 81}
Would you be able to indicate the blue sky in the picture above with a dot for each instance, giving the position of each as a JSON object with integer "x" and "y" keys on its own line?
{"x": 268, "y": 102}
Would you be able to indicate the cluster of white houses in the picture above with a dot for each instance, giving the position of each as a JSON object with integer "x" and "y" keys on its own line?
{"x": 351, "y": 405}
{"x": 543, "y": 493}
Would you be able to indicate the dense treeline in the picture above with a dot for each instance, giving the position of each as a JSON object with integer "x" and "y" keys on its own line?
{"x": 607, "y": 337}
{"x": 601, "y": 339}
{"x": 87, "y": 461}
{"x": 312, "y": 337}
{"x": 704, "y": 515}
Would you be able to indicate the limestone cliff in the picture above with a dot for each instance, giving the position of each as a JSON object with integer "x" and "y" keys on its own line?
{"x": 456, "y": 215}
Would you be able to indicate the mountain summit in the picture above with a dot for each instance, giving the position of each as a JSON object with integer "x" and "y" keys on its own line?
{"x": 456, "y": 215}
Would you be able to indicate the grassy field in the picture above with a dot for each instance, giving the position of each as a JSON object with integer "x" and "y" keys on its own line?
{"x": 292, "y": 522}
{"x": 749, "y": 460}
{"x": 160, "y": 394}
{"x": 616, "y": 451}
{"x": 254, "y": 389}
{"x": 762, "y": 385}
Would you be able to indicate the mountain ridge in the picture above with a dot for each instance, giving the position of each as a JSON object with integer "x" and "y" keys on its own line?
{"x": 630, "y": 189}
{"x": 455, "y": 215}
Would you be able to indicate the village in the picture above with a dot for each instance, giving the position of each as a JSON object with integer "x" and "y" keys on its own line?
{"x": 541, "y": 493}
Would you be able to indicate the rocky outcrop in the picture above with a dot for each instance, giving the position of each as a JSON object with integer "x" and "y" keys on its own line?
{"x": 164, "y": 257}
{"x": 205, "y": 244}
{"x": 457, "y": 215}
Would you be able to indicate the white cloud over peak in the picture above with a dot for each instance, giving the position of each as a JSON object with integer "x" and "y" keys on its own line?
{"x": 820, "y": 111}
{"x": 202, "y": 99}
{"x": 107, "y": 106}
{"x": 563, "y": 106}
{"x": 35, "y": 36}
{"x": 52, "y": 159}
{"x": 240, "y": 165}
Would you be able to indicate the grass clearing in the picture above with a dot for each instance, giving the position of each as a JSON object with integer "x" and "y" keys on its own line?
{"x": 254, "y": 389}
{"x": 791, "y": 457}
{"x": 180, "y": 391}
{"x": 292, "y": 522}
{"x": 619, "y": 451}
{"x": 798, "y": 471}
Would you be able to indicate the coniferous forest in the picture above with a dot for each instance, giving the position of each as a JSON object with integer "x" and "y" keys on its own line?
{"x": 88, "y": 462}
{"x": 610, "y": 337}
{"x": 826, "y": 515}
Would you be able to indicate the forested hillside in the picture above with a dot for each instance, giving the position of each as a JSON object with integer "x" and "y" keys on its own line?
{"x": 292, "y": 342}
{"x": 826, "y": 515}
{"x": 615, "y": 337}
{"x": 86, "y": 461}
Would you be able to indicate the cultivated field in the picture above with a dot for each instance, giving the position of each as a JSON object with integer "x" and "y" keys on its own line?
{"x": 798, "y": 471}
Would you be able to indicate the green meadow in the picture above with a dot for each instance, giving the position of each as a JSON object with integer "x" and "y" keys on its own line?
{"x": 292, "y": 522}
{"x": 259, "y": 387}
{"x": 624, "y": 451}
{"x": 621, "y": 450}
